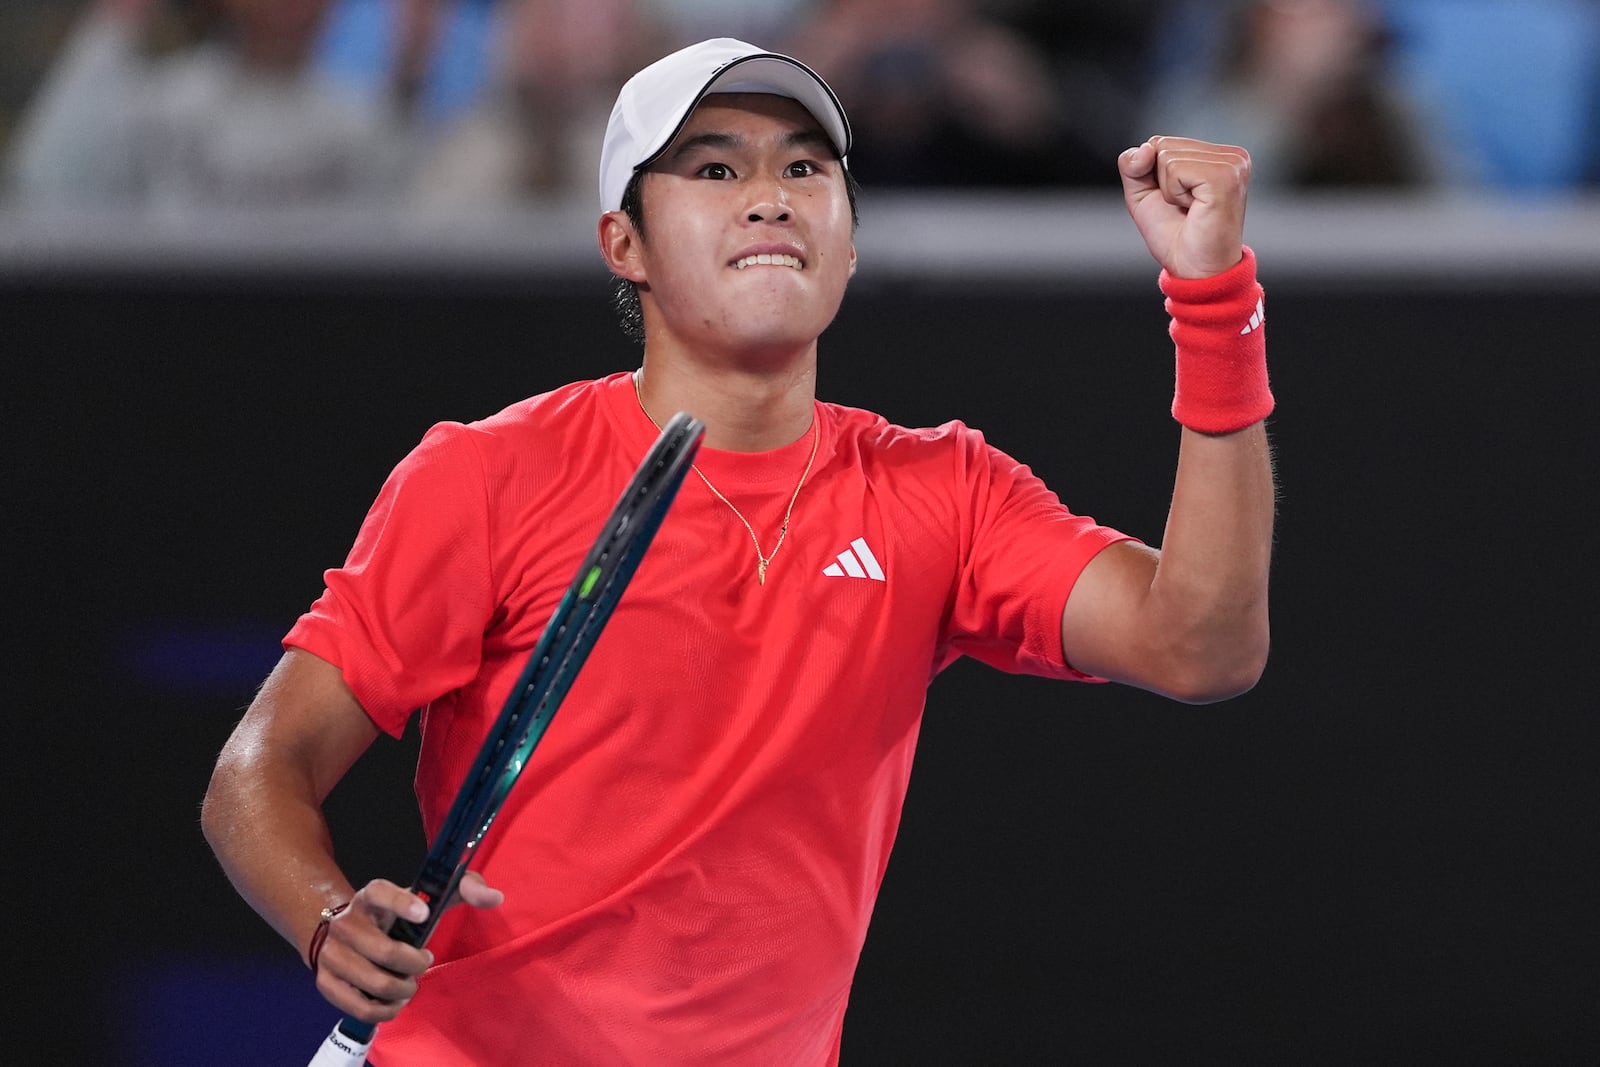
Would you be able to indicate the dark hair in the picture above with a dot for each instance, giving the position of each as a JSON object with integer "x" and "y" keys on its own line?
{"x": 625, "y": 293}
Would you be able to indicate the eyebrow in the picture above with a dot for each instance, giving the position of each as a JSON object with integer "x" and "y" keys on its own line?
{"x": 805, "y": 138}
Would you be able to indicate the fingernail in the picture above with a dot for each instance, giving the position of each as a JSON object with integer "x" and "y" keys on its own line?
{"x": 417, "y": 911}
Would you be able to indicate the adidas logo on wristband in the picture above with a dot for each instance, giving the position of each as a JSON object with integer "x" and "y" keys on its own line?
{"x": 1258, "y": 318}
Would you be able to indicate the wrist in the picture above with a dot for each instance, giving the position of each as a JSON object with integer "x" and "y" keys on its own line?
{"x": 1219, "y": 336}
{"x": 320, "y": 934}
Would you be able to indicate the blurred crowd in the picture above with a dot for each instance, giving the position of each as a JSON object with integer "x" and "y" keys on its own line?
{"x": 472, "y": 103}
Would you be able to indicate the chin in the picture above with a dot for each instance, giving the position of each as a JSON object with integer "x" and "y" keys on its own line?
{"x": 776, "y": 344}
{"x": 784, "y": 334}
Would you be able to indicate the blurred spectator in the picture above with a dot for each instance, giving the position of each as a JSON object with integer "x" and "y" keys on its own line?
{"x": 1099, "y": 55}
{"x": 1517, "y": 85}
{"x": 942, "y": 94}
{"x": 206, "y": 102}
{"x": 1305, "y": 85}
{"x": 431, "y": 56}
{"x": 514, "y": 94}
{"x": 536, "y": 131}
{"x": 761, "y": 22}
{"x": 31, "y": 34}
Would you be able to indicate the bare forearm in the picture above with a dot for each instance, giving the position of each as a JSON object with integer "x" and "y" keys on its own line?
{"x": 263, "y": 816}
{"x": 269, "y": 833}
{"x": 263, "y": 809}
{"x": 1209, "y": 591}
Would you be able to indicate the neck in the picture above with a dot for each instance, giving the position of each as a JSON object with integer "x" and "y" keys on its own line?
{"x": 743, "y": 411}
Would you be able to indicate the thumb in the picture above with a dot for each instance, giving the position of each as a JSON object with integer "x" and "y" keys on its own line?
{"x": 478, "y": 893}
{"x": 1137, "y": 168}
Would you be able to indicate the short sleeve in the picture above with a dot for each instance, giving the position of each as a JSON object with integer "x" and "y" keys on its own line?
{"x": 404, "y": 617}
{"x": 1022, "y": 552}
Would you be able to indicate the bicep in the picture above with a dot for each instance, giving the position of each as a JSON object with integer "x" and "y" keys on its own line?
{"x": 304, "y": 722}
{"x": 1100, "y": 631}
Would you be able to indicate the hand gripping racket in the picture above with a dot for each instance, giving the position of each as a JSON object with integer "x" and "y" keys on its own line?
{"x": 565, "y": 644}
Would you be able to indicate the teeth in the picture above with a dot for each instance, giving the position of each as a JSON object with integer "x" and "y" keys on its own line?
{"x": 765, "y": 260}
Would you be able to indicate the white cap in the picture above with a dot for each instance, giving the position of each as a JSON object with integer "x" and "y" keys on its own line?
{"x": 656, "y": 102}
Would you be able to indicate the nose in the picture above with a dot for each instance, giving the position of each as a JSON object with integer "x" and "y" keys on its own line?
{"x": 771, "y": 204}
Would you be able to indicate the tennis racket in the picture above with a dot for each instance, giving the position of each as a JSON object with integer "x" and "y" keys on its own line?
{"x": 568, "y": 637}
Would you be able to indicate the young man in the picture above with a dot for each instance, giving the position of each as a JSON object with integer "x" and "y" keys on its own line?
{"x": 689, "y": 868}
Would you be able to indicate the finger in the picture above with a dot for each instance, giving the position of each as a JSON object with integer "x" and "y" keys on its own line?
{"x": 356, "y": 999}
{"x": 1185, "y": 168}
{"x": 370, "y": 980}
{"x": 1136, "y": 166}
{"x": 383, "y": 901}
{"x": 479, "y": 893}
{"x": 1167, "y": 141}
{"x": 377, "y": 948}
{"x": 359, "y": 937}
{"x": 361, "y": 934}
{"x": 388, "y": 980}
{"x": 1138, "y": 161}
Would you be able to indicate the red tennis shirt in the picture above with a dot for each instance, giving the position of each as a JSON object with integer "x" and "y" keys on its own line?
{"x": 691, "y": 858}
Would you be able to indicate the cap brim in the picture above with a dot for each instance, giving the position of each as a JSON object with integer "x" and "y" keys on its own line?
{"x": 768, "y": 72}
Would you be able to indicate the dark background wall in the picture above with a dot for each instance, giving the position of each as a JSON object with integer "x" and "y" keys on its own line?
{"x": 1385, "y": 853}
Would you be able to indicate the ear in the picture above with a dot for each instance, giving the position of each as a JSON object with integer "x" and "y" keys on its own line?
{"x": 852, "y": 259}
{"x": 621, "y": 246}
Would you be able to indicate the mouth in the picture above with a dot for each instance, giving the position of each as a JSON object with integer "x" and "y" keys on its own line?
{"x": 766, "y": 260}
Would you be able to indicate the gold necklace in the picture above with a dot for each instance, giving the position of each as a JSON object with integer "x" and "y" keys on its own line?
{"x": 762, "y": 561}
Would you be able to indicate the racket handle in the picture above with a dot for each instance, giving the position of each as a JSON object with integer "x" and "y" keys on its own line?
{"x": 346, "y": 1046}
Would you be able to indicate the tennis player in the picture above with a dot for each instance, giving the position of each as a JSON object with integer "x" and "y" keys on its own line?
{"x": 685, "y": 874}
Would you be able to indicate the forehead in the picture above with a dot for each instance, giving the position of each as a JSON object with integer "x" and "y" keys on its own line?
{"x": 749, "y": 115}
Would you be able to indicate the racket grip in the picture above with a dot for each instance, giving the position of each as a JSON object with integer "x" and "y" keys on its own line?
{"x": 346, "y": 1046}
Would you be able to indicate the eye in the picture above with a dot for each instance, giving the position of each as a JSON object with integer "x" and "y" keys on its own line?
{"x": 715, "y": 171}
{"x": 800, "y": 168}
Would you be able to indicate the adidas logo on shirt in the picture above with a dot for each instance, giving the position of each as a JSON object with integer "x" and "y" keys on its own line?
{"x": 1258, "y": 318}
{"x": 857, "y": 561}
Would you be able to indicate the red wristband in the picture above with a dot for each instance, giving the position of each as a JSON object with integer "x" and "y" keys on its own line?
{"x": 320, "y": 935}
{"x": 1219, "y": 331}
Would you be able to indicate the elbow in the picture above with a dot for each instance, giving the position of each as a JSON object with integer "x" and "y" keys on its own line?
{"x": 219, "y": 809}
{"x": 1214, "y": 685}
{"x": 212, "y": 817}
{"x": 1218, "y": 670}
